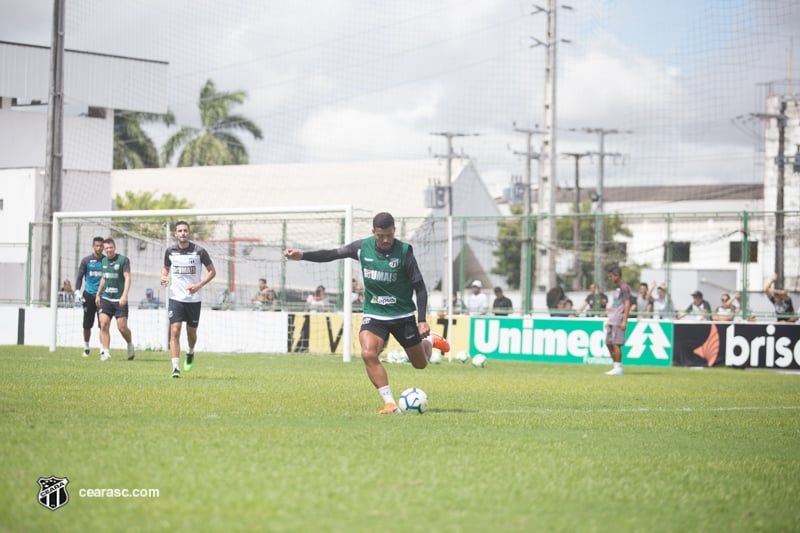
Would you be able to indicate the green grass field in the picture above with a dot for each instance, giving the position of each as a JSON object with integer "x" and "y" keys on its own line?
{"x": 293, "y": 443}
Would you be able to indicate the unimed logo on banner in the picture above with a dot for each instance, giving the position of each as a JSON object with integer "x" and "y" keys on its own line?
{"x": 568, "y": 341}
{"x": 648, "y": 343}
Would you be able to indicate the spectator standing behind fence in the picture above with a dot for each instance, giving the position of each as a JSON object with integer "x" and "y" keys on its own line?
{"x": 149, "y": 301}
{"x": 502, "y": 304}
{"x": 265, "y": 297}
{"x": 595, "y": 302}
{"x": 458, "y": 305}
{"x": 65, "y": 296}
{"x": 318, "y": 301}
{"x": 699, "y": 309}
{"x": 477, "y": 302}
{"x": 662, "y": 303}
{"x": 784, "y": 309}
{"x": 725, "y": 310}
{"x": 643, "y": 304}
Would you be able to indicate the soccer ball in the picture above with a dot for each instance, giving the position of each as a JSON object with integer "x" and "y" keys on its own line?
{"x": 462, "y": 357}
{"x": 436, "y": 358}
{"x": 414, "y": 399}
{"x": 479, "y": 361}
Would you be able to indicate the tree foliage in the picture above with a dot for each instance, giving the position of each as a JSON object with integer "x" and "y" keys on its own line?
{"x": 214, "y": 143}
{"x": 614, "y": 252}
{"x": 509, "y": 250}
{"x": 133, "y": 148}
{"x": 154, "y": 228}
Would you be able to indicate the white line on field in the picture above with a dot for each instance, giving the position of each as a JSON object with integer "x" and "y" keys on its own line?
{"x": 642, "y": 410}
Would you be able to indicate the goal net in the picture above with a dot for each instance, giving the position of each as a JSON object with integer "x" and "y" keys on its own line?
{"x": 246, "y": 246}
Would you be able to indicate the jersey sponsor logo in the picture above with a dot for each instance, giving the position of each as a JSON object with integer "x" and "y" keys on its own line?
{"x": 112, "y": 275}
{"x": 378, "y": 275}
{"x": 385, "y": 300}
{"x": 190, "y": 269}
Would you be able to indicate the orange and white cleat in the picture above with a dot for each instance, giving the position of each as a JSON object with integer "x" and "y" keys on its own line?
{"x": 440, "y": 343}
{"x": 390, "y": 409}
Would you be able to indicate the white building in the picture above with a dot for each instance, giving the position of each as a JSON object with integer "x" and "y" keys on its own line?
{"x": 94, "y": 86}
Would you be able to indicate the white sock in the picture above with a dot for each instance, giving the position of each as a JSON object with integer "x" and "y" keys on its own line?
{"x": 86, "y": 345}
{"x": 617, "y": 365}
{"x": 386, "y": 394}
{"x": 176, "y": 363}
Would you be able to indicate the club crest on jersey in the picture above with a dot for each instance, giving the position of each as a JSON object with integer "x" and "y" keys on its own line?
{"x": 53, "y": 492}
{"x": 394, "y": 262}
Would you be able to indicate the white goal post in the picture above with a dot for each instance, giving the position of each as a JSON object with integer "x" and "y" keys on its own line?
{"x": 259, "y": 233}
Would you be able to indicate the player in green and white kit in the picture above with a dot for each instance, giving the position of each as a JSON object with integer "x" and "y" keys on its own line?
{"x": 391, "y": 275}
{"x": 112, "y": 298}
{"x": 182, "y": 272}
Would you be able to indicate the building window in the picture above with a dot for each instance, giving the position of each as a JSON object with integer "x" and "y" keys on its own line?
{"x": 677, "y": 252}
{"x": 735, "y": 255}
{"x": 97, "y": 112}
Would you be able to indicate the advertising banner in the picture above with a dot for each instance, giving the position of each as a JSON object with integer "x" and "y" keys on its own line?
{"x": 741, "y": 345}
{"x": 568, "y": 340}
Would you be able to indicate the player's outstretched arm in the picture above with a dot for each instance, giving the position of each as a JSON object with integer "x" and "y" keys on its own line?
{"x": 293, "y": 254}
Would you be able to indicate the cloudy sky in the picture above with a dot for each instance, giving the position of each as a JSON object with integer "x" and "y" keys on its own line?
{"x": 348, "y": 80}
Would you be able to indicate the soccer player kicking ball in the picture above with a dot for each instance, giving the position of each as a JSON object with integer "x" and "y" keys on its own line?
{"x": 390, "y": 274}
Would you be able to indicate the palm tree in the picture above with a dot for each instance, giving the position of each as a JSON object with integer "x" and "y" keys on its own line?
{"x": 133, "y": 148}
{"x": 213, "y": 143}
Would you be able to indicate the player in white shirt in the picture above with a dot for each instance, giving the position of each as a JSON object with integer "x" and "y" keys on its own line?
{"x": 183, "y": 273}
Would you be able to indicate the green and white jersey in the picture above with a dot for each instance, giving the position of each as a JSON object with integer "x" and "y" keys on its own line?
{"x": 114, "y": 280}
{"x": 387, "y": 286}
{"x": 390, "y": 278}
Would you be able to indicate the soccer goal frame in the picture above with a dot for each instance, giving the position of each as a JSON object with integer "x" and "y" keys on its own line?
{"x": 60, "y": 218}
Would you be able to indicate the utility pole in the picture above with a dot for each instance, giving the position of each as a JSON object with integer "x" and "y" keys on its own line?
{"x": 780, "y": 161}
{"x": 526, "y": 250}
{"x": 576, "y": 223}
{"x": 54, "y": 152}
{"x": 447, "y": 277}
{"x": 546, "y": 227}
{"x": 599, "y": 227}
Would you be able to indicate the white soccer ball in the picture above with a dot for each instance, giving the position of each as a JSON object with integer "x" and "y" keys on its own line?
{"x": 462, "y": 357}
{"x": 436, "y": 358}
{"x": 479, "y": 361}
{"x": 414, "y": 400}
